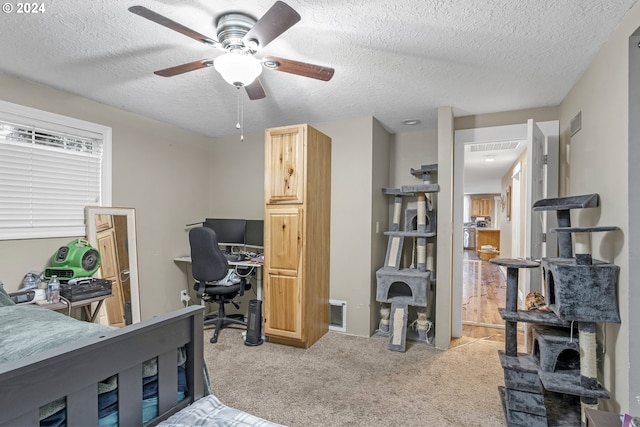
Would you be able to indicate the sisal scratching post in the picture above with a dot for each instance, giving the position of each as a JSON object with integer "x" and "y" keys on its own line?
{"x": 421, "y": 228}
{"x": 588, "y": 365}
{"x": 431, "y": 258}
{"x": 398, "y": 327}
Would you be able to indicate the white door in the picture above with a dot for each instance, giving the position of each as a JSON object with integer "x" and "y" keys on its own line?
{"x": 541, "y": 181}
{"x": 533, "y": 241}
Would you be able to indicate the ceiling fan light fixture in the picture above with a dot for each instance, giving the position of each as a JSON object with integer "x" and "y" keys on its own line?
{"x": 237, "y": 68}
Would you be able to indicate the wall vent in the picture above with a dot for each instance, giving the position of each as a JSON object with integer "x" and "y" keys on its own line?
{"x": 337, "y": 315}
{"x": 492, "y": 146}
{"x": 576, "y": 123}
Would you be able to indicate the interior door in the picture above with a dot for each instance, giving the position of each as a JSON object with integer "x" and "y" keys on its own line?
{"x": 534, "y": 223}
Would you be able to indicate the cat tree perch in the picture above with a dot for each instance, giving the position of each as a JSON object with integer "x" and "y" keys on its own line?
{"x": 404, "y": 287}
{"x": 579, "y": 291}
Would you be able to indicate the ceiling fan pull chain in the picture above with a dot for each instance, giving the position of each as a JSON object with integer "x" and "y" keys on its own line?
{"x": 240, "y": 115}
{"x": 238, "y": 108}
{"x": 240, "y": 98}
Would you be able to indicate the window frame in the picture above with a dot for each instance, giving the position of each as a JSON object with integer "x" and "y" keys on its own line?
{"x": 32, "y": 117}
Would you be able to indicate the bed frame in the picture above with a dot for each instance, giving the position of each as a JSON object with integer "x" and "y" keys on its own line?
{"x": 73, "y": 370}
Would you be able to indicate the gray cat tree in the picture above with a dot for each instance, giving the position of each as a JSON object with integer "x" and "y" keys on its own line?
{"x": 404, "y": 287}
{"x": 553, "y": 384}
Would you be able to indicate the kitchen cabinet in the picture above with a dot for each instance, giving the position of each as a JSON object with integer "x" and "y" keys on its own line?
{"x": 296, "y": 240}
{"x": 481, "y": 207}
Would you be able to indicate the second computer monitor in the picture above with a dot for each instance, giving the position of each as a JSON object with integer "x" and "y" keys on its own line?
{"x": 230, "y": 232}
{"x": 254, "y": 234}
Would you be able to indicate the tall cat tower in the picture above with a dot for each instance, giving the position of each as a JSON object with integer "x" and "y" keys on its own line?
{"x": 404, "y": 287}
{"x": 554, "y": 384}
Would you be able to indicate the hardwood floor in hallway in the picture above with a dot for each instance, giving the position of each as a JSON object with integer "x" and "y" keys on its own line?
{"x": 484, "y": 291}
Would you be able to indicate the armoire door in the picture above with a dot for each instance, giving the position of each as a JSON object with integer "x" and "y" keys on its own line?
{"x": 282, "y": 285}
{"x": 284, "y": 159}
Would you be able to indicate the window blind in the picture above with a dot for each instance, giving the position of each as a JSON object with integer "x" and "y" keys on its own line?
{"x": 49, "y": 172}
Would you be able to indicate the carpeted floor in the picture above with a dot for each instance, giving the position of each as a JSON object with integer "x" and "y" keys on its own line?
{"x": 344, "y": 380}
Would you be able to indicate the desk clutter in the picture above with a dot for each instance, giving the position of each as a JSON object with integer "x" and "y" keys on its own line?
{"x": 67, "y": 279}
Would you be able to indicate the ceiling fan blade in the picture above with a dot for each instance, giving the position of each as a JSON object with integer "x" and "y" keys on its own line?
{"x": 164, "y": 21}
{"x": 255, "y": 90}
{"x": 184, "y": 68}
{"x": 300, "y": 68}
{"x": 278, "y": 19}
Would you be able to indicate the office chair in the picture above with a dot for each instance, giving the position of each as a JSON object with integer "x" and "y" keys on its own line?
{"x": 209, "y": 266}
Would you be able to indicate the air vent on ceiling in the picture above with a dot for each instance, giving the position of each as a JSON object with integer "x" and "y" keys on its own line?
{"x": 492, "y": 146}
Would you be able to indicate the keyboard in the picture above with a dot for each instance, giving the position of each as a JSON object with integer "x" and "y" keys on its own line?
{"x": 235, "y": 257}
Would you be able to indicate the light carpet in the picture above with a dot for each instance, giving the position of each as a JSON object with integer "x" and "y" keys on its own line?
{"x": 344, "y": 380}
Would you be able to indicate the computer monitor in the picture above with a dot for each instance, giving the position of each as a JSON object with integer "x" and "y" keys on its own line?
{"x": 230, "y": 232}
{"x": 254, "y": 235}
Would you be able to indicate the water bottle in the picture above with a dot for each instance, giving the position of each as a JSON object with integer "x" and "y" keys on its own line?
{"x": 54, "y": 290}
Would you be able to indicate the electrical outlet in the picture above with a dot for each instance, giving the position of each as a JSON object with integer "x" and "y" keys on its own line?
{"x": 184, "y": 296}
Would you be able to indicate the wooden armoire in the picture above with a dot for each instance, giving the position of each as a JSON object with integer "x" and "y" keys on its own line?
{"x": 296, "y": 235}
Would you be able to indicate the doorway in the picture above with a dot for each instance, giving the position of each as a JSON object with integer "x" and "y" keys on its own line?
{"x": 486, "y": 172}
{"x": 513, "y": 201}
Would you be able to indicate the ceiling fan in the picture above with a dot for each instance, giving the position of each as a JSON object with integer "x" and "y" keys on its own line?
{"x": 240, "y": 36}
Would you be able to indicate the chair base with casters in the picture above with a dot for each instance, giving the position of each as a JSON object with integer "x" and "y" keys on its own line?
{"x": 222, "y": 319}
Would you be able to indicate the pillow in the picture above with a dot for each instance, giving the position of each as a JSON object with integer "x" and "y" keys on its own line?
{"x": 5, "y": 300}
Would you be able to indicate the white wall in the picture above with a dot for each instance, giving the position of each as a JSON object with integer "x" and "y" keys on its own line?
{"x": 411, "y": 150}
{"x": 488, "y": 186}
{"x": 158, "y": 169}
{"x": 379, "y": 213}
{"x": 236, "y": 173}
{"x": 351, "y": 217}
{"x": 598, "y": 164}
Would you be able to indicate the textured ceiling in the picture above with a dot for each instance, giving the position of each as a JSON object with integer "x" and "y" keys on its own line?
{"x": 393, "y": 60}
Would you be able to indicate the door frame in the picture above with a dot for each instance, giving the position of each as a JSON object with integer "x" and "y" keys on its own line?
{"x": 517, "y": 132}
{"x": 634, "y": 212}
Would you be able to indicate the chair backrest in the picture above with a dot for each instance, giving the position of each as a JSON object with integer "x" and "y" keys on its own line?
{"x": 208, "y": 263}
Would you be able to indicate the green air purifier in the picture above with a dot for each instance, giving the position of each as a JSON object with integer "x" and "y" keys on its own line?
{"x": 77, "y": 259}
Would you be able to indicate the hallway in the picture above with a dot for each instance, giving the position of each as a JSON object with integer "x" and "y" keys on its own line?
{"x": 484, "y": 291}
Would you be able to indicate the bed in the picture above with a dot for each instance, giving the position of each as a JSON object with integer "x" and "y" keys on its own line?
{"x": 55, "y": 370}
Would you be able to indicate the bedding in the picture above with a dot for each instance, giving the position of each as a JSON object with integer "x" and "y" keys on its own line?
{"x": 26, "y": 329}
{"x": 4, "y": 297}
{"x": 210, "y": 412}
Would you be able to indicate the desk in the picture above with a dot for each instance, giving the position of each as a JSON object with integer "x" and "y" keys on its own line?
{"x": 247, "y": 264}
{"x": 85, "y": 303}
